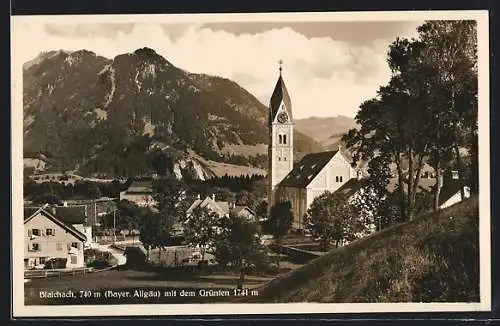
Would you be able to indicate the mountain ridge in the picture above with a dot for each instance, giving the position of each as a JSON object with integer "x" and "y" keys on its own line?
{"x": 101, "y": 115}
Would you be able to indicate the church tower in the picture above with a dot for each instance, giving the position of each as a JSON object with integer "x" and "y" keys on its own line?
{"x": 280, "y": 148}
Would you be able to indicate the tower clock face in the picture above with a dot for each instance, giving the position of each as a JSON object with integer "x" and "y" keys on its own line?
{"x": 282, "y": 117}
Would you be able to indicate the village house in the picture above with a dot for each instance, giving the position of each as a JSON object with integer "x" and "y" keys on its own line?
{"x": 139, "y": 192}
{"x": 37, "y": 162}
{"x": 75, "y": 215}
{"x": 223, "y": 208}
{"x": 452, "y": 190}
{"x": 47, "y": 237}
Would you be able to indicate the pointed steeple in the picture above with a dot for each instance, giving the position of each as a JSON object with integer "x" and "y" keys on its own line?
{"x": 280, "y": 94}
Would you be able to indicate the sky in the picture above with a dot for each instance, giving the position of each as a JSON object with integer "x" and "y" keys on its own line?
{"x": 329, "y": 67}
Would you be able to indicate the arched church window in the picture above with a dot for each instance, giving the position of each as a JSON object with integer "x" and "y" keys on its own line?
{"x": 284, "y": 158}
{"x": 284, "y": 139}
{"x": 280, "y": 139}
{"x": 279, "y": 158}
{"x": 337, "y": 179}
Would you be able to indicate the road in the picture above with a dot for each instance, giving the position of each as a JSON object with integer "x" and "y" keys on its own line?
{"x": 117, "y": 254}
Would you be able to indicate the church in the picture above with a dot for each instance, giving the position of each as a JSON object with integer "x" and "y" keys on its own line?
{"x": 307, "y": 179}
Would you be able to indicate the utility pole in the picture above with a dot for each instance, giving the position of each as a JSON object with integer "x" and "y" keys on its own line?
{"x": 114, "y": 226}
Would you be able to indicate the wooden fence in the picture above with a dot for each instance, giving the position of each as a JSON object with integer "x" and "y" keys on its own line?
{"x": 57, "y": 272}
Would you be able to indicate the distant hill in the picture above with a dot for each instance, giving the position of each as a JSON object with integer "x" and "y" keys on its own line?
{"x": 327, "y": 131}
{"x": 103, "y": 116}
{"x": 434, "y": 258}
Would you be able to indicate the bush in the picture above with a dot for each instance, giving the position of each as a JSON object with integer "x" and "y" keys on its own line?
{"x": 99, "y": 264}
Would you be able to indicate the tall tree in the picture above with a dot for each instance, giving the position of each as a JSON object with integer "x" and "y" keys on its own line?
{"x": 238, "y": 241}
{"x": 280, "y": 220}
{"x": 200, "y": 230}
{"x": 170, "y": 196}
{"x": 332, "y": 218}
{"x": 450, "y": 50}
{"x": 148, "y": 231}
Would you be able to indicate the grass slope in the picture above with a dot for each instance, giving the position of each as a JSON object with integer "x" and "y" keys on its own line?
{"x": 434, "y": 258}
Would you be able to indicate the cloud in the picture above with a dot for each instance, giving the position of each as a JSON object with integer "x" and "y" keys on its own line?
{"x": 325, "y": 77}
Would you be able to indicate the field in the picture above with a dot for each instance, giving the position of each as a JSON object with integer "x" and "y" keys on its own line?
{"x": 434, "y": 258}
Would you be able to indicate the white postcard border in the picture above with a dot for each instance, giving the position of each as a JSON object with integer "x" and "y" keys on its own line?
{"x": 17, "y": 44}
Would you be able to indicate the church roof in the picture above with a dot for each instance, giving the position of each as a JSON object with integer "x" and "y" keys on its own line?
{"x": 350, "y": 187}
{"x": 307, "y": 169}
{"x": 280, "y": 94}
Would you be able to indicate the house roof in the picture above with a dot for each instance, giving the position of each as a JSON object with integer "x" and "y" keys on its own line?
{"x": 238, "y": 209}
{"x": 42, "y": 210}
{"x": 280, "y": 94}
{"x": 72, "y": 214}
{"x": 220, "y": 207}
{"x": 450, "y": 188}
{"x": 307, "y": 169}
{"x": 350, "y": 187}
{"x": 67, "y": 214}
{"x": 140, "y": 187}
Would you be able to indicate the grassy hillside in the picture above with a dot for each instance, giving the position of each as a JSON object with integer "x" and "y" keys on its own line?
{"x": 434, "y": 258}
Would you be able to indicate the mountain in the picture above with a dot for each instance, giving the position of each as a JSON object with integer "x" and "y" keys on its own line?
{"x": 327, "y": 131}
{"x": 434, "y": 258}
{"x": 102, "y": 116}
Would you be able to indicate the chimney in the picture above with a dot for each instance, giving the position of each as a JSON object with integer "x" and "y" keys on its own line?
{"x": 53, "y": 209}
{"x": 454, "y": 175}
{"x": 65, "y": 204}
{"x": 198, "y": 196}
{"x": 213, "y": 197}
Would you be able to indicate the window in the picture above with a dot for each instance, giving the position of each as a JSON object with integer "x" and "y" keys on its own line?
{"x": 284, "y": 139}
{"x": 43, "y": 260}
{"x": 35, "y": 232}
{"x": 75, "y": 245}
{"x": 50, "y": 232}
{"x": 59, "y": 246}
{"x": 279, "y": 158}
{"x": 280, "y": 139}
{"x": 337, "y": 179}
{"x": 74, "y": 259}
{"x": 284, "y": 158}
{"x": 340, "y": 178}
{"x": 35, "y": 247}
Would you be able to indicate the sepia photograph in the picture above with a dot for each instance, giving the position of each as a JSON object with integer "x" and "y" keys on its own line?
{"x": 250, "y": 163}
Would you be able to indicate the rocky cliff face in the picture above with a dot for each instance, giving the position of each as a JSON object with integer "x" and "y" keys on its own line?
{"x": 100, "y": 115}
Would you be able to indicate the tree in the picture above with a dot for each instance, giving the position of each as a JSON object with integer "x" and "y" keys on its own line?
{"x": 199, "y": 229}
{"x": 170, "y": 196}
{"x": 129, "y": 215}
{"x": 148, "y": 229}
{"x": 280, "y": 220}
{"x": 331, "y": 218}
{"x": 47, "y": 198}
{"x": 238, "y": 241}
{"x": 261, "y": 209}
{"x": 245, "y": 198}
{"x": 396, "y": 125}
{"x": 451, "y": 52}
{"x": 161, "y": 162}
